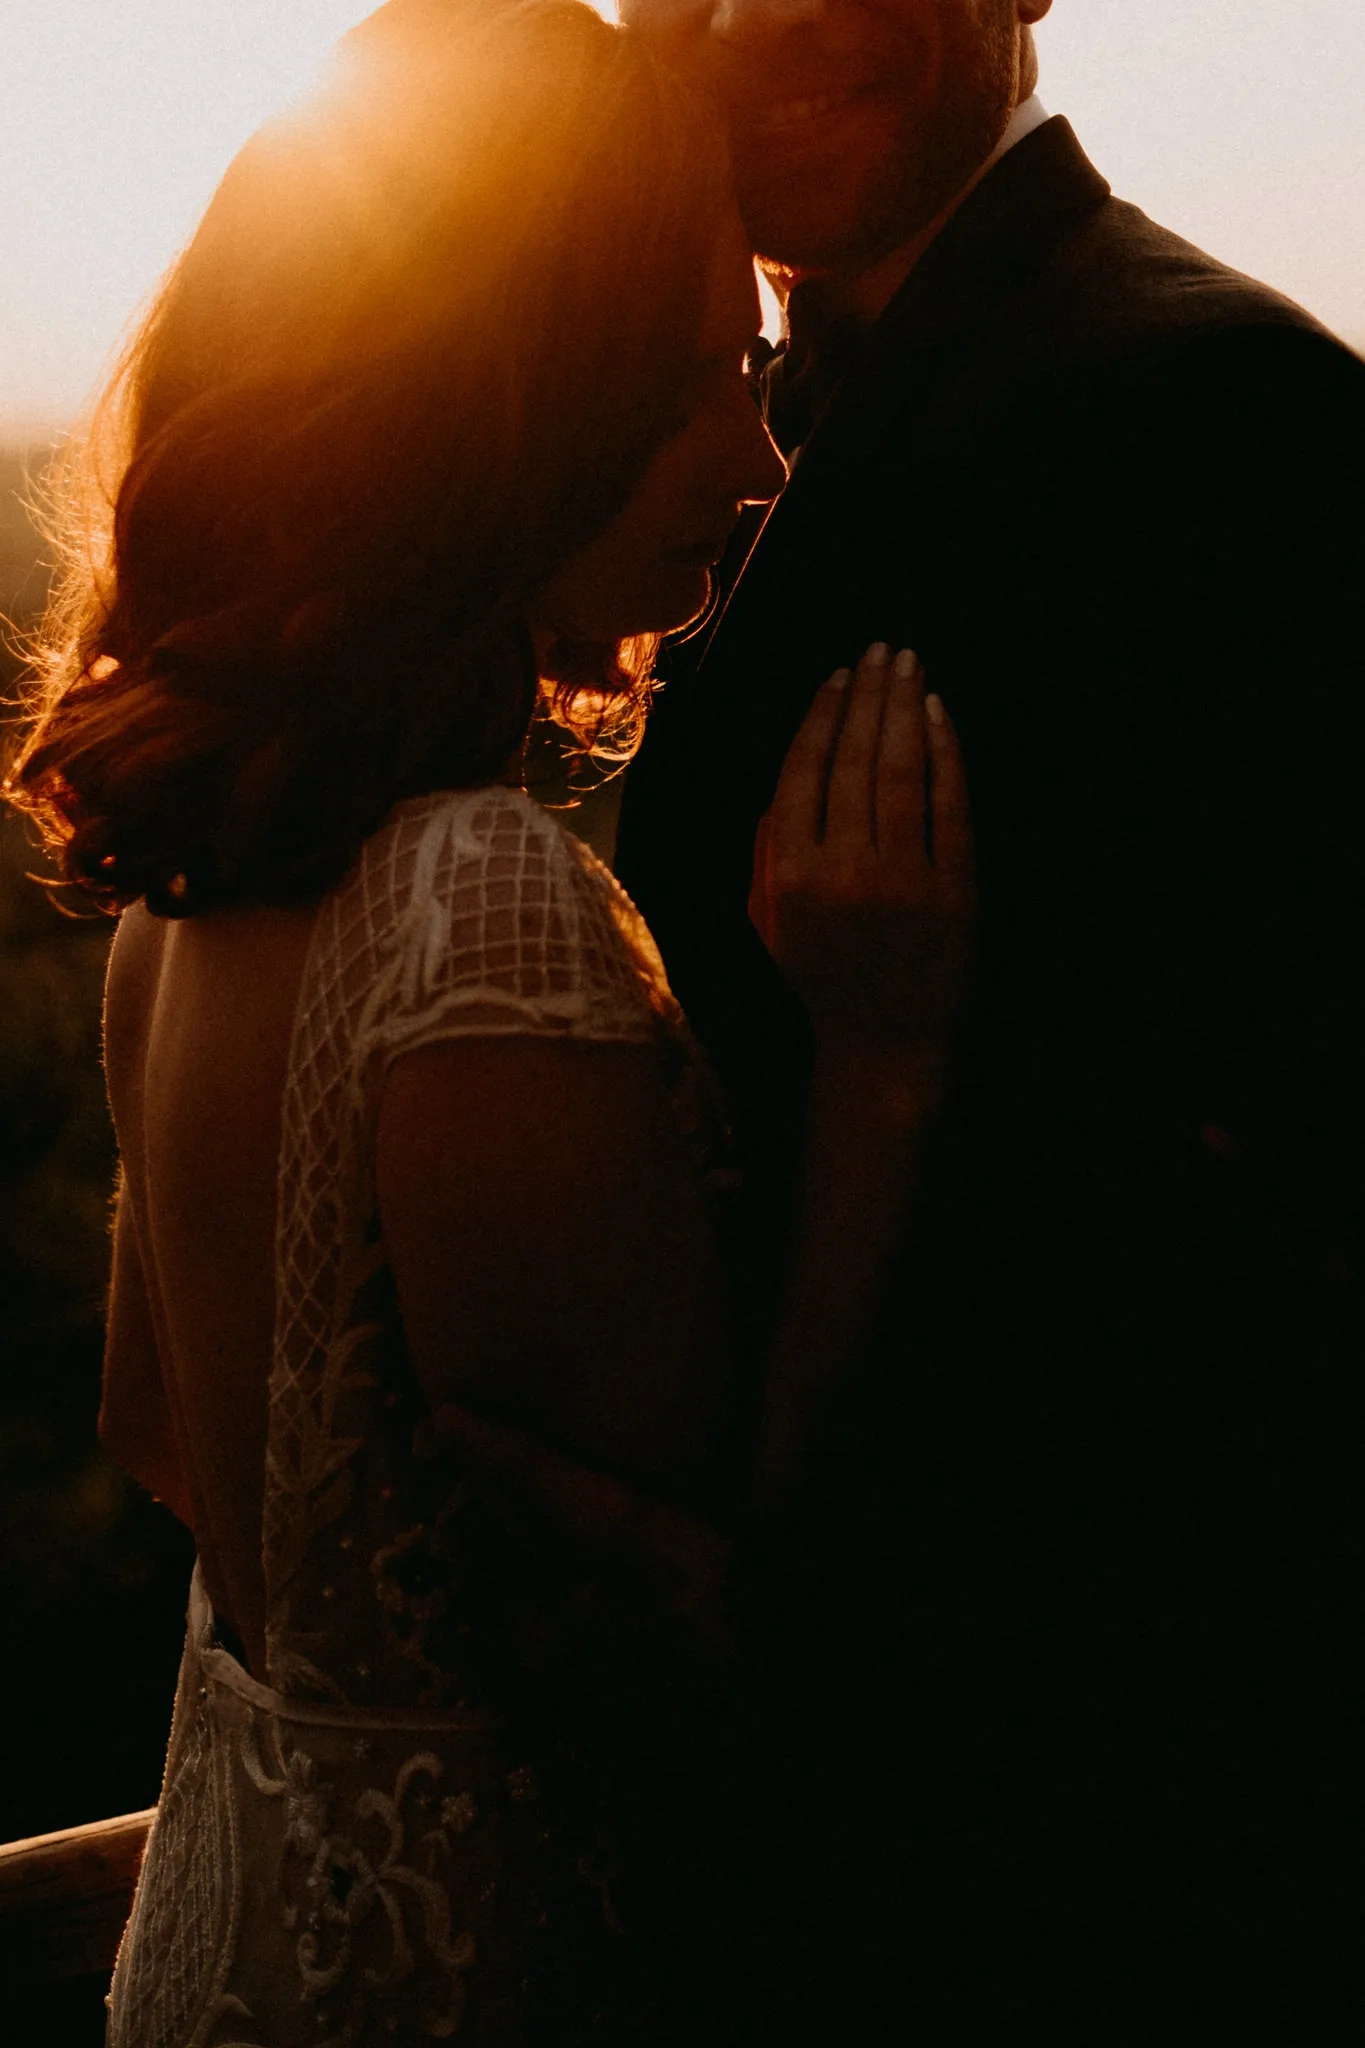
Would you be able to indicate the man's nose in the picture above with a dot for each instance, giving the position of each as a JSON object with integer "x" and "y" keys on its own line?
{"x": 737, "y": 21}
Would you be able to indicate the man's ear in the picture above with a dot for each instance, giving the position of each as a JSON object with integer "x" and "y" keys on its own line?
{"x": 1031, "y": 11}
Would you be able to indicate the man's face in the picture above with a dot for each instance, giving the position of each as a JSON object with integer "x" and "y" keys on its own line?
{"x": 853, "y": 123}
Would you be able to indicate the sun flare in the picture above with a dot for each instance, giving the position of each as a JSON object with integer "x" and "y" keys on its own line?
{"x": 121, "y": 116}
{"x": 119, "y": 122}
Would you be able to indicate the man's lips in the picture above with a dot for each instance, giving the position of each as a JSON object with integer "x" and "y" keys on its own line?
{"x": 798, "y": 110}
{"x": 787, "y": 101}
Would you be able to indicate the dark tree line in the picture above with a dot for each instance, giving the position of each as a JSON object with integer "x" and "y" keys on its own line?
{"x": 92, "y": 1573}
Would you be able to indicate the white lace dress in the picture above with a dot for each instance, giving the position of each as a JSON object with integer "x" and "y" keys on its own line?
{"x": 395, "y": 1839}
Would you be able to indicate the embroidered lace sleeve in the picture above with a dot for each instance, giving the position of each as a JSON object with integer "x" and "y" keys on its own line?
{"x": 469, "y": 913}
{"x": 485, "y": 918}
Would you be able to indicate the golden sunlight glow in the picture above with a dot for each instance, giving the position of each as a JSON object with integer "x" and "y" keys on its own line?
{"x": 120, "y": 118}
{"x": 119, "y": 122}
{"x": 1236, "y": 122}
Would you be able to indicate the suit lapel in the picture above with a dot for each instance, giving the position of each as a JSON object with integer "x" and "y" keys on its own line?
{"x": 995, "y": 244}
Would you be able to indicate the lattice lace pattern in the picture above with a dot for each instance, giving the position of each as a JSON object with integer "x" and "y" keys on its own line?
{"x": 471, "y": 914}
{"x": 373, "y": 1848}
{"x": 173, "y": 1961}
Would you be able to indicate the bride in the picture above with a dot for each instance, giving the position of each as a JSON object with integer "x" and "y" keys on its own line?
{"x": 440, "y": 419}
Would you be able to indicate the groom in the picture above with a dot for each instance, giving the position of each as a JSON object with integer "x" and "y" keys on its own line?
{"x": 1049, "y": 1672}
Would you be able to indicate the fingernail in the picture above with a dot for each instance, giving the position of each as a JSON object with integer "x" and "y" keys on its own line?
{"x": 933, "y": 709}
{"x": 878, "y": 654}
{"x": 841, "y": 679}
{"x": 907, "y": 661}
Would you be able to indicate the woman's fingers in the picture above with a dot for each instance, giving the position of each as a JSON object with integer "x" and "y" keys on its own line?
{"x": 875, "y": 768}
{"x": 797, "y": 815}
{"x": 950, "y": 816}
{"x": 587, "y": 1507}
{"x": 863, "y": 889}
{"x": 900, "y": 783}
{"x": 600, "y": 1516}
{"x": 850, "y": 807}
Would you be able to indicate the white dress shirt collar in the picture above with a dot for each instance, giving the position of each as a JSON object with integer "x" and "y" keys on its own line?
{"x": 1030, "y": 114}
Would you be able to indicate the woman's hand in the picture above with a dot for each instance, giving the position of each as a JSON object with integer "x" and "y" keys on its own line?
{"x": 863, "y": 884}
{"x": 660, "y": 1561}
{"x": 863, "y": 895}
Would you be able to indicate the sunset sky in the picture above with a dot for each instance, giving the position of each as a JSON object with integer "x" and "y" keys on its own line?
{"x": 1237, "y": 122}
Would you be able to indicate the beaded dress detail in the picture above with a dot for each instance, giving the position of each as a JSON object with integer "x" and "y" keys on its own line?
{"x": 396, "y": 1838}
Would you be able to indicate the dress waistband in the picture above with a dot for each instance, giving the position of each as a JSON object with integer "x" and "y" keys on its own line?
{"x": 218, "y": 1665}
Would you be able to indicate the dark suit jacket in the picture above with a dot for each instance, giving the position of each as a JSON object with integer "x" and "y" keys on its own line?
{"x": 1051, "y": 1677}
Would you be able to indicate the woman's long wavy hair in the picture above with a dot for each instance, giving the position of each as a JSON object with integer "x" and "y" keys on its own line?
{"x": 424, "y": 343}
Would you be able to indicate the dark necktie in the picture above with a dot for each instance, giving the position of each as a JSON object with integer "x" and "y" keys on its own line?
{"x": 799, "y": 377}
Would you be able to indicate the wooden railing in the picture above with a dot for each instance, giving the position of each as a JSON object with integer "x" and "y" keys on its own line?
{"x": 64, "y": 1899}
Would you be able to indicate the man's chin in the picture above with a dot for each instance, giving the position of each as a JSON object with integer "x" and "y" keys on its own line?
{"x": 847, "y": 214}
{"x": 816, "y": 230}
{"x": 805, "y": 250}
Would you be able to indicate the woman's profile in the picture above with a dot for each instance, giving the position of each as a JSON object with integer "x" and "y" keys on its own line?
{"x": 440, "y": 418}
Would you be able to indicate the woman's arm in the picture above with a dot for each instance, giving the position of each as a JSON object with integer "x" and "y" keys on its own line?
{"x": 874, "y": 920}
{"x": 555, "y": 1261}
{"x": 864, "y": 895}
